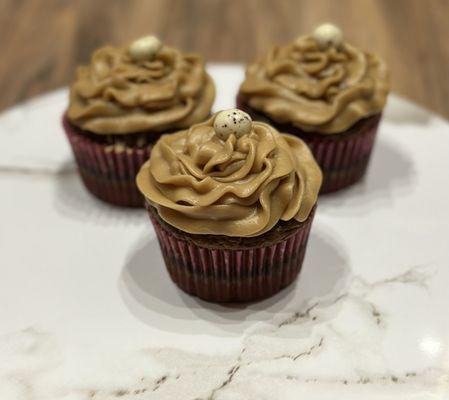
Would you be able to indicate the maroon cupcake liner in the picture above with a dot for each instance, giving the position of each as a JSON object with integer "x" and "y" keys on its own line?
{"x": 219, "y": 274}
{"x": 108, "y": 170}
{"x": 343, "y": 160}
{"x": 343, "y": 157}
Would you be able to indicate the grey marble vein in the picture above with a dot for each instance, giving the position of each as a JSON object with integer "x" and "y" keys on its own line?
{"x": 281, "y": 351}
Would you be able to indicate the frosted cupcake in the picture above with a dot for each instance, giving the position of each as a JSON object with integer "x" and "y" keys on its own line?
{"x": 122, "y": 102}
{"x": 232, "y": 202}
{"x": 325, "y": 91}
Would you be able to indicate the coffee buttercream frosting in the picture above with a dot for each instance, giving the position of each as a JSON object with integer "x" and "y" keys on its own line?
{"x": 240, "y": 182}
{"x": 318, "y": 83}
{"x": 145, "y": 86}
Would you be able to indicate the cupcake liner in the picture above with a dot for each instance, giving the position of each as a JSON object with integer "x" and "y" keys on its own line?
{"x": 343, "y": 160}
{"x": 343, "y": 157}
{"x": 108, "y": 171}
{"x": 221, "y": 274}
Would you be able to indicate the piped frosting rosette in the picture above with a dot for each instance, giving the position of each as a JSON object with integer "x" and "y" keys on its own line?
{"x": 230, "y": 176}
{"x": 318, "y": 83}
{"x": 140, "y": 87}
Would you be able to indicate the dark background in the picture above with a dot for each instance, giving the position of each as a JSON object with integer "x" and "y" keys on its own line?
{"x": 42, "y": 41}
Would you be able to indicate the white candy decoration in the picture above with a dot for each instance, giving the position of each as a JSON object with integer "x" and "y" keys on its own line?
{"x": 144, "y": 48}
{"x": 327, "y": 35}
{"x": 232, "y": 121}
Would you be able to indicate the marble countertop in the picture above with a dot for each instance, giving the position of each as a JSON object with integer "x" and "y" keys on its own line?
{"x": 88, "y": 311}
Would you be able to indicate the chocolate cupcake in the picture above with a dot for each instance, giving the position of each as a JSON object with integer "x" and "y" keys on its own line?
{"x": 326, "y": 92}
{"x": 232, "y": 202}
{"x": 120, "y": 105}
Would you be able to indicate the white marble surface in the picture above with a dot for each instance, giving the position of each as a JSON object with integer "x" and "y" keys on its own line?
{"x": 87, "y": 310}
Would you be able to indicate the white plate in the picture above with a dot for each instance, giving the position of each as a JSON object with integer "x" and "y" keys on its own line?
{"x": 87, "y": 310}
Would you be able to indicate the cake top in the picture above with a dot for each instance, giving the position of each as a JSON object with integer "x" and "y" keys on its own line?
{"x": 318, "y": 83}
{"x": 144, "y": 86}
{"x": 230, "y": 176}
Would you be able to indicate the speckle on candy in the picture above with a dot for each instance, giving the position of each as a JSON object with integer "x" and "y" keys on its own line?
{"x": 232, "y": 121}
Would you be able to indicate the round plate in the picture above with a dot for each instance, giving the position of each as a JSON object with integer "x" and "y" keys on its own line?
{"x": 89, "y": 312}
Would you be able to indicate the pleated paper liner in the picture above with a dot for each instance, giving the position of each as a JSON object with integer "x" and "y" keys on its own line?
{"x": 108, "y": 170}
{"x": 343, "y": 157}
{"x": 208, "y": 269}
{"x": 343, "y": 160}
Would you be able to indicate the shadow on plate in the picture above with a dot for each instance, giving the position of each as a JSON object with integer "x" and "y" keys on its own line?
{"x": 74, "y": 201}
{"x": 390, "y": 173}
{"x": 153, "y": 298}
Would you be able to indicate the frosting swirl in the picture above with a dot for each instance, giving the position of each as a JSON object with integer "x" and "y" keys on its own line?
{"x": 241, "y": 187}
{"x": 324, "y": 89}
{"x": 119, "y": 94}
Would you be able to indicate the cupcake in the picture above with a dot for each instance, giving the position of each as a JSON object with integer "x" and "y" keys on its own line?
{"x": 232, "y": 202}
{"x": 326, "y": 92}
{"x": 120, "y": 105}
